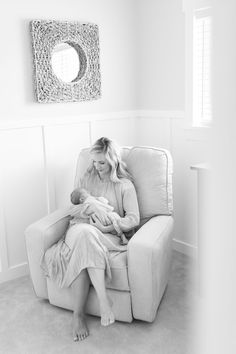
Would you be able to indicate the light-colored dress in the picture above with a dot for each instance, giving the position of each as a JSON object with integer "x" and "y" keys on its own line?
{"x": 84, "y": 245}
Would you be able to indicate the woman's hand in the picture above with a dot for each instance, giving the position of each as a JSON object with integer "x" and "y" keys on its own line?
{"x": 94, "y": 220}
{"x": 102, "y": 216}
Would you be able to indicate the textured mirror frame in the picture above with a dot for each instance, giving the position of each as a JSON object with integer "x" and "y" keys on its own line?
{"x": 84, "y": 38}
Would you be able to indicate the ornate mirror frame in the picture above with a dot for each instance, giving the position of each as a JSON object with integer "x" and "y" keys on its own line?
{"x": 84, "y": 38}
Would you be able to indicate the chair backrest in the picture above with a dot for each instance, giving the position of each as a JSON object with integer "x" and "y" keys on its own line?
{"x": 151, "y": 169}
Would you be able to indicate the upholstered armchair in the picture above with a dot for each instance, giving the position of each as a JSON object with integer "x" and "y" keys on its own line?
{"x": 140, "y": 275}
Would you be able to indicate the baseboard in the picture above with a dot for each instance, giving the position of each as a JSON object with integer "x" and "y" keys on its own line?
{"x": 14, "y": 272}
{"x": 185, "y": 248}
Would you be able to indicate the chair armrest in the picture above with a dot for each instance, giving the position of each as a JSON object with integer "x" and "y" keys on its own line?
{"x": 39, "y": 236}
{"x": 149, "y": 260}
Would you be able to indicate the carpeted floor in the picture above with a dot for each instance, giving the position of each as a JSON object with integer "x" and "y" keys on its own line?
{"x": 29, "y": 325}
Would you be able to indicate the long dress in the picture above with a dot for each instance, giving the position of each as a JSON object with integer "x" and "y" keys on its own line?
{"x": 84, "y": 245}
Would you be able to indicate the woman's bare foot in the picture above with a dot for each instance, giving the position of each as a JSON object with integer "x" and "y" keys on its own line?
{"x": 107, "y": 315}
{"x": 80, "y": 329}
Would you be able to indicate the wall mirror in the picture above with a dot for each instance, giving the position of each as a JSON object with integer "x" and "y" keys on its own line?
{"x": 66, "y": 61}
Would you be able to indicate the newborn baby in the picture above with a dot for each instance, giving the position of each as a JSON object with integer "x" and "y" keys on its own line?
{"x": 82, "y": 196}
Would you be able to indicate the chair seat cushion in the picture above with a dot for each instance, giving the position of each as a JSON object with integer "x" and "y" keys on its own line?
{"x": 118, "y": 264}
{"x": 63, "y": 297}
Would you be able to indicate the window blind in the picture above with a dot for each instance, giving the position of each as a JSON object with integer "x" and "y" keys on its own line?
{"x": 202, "y": 32}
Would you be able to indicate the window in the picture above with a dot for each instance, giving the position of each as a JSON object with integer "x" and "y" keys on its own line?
{"x": 202, "y": 68}
{"x": 198, "y": 27}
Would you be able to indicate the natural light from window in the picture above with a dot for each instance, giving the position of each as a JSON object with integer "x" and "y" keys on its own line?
{"x": 202, "y": 30}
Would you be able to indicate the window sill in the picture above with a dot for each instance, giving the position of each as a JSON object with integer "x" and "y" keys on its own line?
{"x": 204, "y": 166}
{"x": 197, "y": 133}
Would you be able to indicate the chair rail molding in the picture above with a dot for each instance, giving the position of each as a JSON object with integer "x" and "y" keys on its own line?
{"x": 160, "y": 114}
{"x": 49, "y": 121}
{"x": 65, "y": 120}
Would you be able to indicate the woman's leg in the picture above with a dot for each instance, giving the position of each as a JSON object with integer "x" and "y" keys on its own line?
{"x": 97, "y": 277}
{"x": 80, "y": 289}
{"x": 84, "y": 241}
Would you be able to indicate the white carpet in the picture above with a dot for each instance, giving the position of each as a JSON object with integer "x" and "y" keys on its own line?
{"x": 29, "y": 325}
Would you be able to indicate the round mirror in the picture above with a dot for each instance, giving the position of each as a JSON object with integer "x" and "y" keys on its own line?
{"x": 65, "y": 62}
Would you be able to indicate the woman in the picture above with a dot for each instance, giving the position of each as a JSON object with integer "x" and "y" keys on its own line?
{"x": 83, "y": 256}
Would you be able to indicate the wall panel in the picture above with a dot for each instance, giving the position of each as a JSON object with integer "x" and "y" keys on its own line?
{"x": 23, "y": 192}
{"x": 121, "y": 130}
{"x": 154, "y": 132}
{"x": 62, "y": 146}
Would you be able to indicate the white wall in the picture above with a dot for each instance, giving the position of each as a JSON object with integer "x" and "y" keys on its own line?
{"x": 117, "y": 30}
{"x": 160, "y": 55}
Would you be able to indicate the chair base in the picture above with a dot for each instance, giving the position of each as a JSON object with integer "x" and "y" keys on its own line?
{"x": 121, "y": 301}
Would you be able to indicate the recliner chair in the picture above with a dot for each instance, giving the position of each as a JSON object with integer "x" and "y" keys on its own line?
{"x": 140, "y": 275}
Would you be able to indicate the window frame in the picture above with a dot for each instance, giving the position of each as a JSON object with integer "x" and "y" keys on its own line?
{"x": 190, "y": 8}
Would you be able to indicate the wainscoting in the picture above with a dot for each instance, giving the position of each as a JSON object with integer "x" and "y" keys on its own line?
{"x": 38, "y": 160}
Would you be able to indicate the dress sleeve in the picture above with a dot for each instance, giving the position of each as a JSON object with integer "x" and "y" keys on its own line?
{"x": 79, "y": 211}
{"x": 102, "y": 200}
{"x": 131, "y": 217}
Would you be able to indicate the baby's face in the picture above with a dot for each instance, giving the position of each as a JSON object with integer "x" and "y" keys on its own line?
{"x": 83, "y": 195}
{"x": 78, "y": 196}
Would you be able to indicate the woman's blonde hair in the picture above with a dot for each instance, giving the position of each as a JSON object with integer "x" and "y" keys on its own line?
{"x": 112, "y": 154}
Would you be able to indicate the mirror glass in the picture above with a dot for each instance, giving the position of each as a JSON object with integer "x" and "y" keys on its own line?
{"x": 65, "y": 62}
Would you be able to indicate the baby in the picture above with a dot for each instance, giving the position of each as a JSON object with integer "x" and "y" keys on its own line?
{"x": 82, "y": 196}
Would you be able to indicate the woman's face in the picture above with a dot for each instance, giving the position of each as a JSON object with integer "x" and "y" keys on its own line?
{"x": 101, "y": 164}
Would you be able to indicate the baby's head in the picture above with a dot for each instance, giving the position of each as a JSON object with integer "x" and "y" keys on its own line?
{"x": 79, "y": 195}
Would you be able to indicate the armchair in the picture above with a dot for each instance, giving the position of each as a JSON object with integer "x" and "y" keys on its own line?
{"x": 140, "y": 275}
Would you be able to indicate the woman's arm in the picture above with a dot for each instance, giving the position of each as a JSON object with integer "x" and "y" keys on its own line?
{"x": 79, "y": 211}
{"x": 96, "y": 222}
{"x": 89, "y": 183}
{"x": 101, "y": 214}
{"x": 131, "y": 217}
{"x": 93, "y": 208}
{"x": 130, "y": 206}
